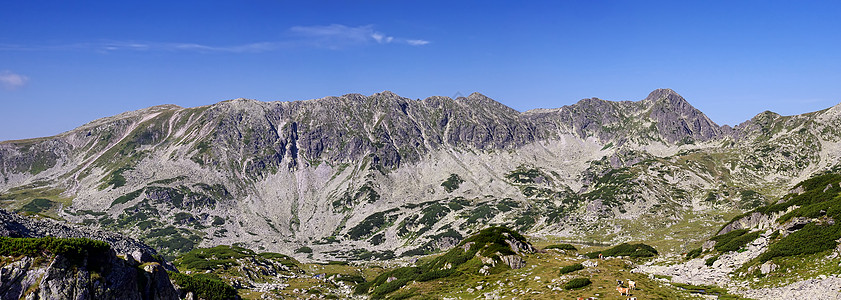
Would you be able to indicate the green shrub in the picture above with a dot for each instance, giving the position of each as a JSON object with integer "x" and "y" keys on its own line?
{"x": 808, "y": 240}
{"x": 523, "y": 175}
{"x": 371, "y": 224}
{"x": 814, "y": 199}
{"x": 127, "y": 197}
{"x": 303, "y": 249}
{"x": 523, "y": 223}
{"x": 204, "y": 287}
{"x": 693, "y": 253}
{"x": 403, "y": 275}
{"x": 577, "y": 283}
{"x": 625, "y": 249}
{"x": 483, "y": 212}
{"x": 71, "y": 247}
{"x": 435, "y": 274}
{"x": 736, "y": 243}
{"x": 452, "y": 183}
{"x": 389, "y": 287}
{"x": 362, "y": 288}
{"x": 724, "y": 238}
{"x": 561, "y": 247}
{"x": 710, "y": 261}
{"x": 571, "y": 268}
{"x": 285, "y": 260}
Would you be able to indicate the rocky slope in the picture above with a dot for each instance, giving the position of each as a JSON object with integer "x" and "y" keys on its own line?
{"x": 786, "y": 249}
{"x": 362, "y": 177}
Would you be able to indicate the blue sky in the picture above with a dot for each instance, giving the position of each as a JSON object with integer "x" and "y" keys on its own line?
{"x": 64, "y": 63}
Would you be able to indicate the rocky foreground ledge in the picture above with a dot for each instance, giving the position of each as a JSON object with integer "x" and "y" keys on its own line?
{"x": 124, "y": 269}
{"x": 16, "y": 226}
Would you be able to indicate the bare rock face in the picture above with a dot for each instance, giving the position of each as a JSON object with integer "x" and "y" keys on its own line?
{"x": 768, "y": 267}
{"x": 709, "y": 244}
{"x": 519, "y": 247}
{"x": 753, "y": 221}
{"x": 513, "y": 261}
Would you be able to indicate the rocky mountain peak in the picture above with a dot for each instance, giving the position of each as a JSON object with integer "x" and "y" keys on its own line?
{"x": 668, "y": 99}
{"x": 662, "y": 93}
{"x": 387, "y": 94}
{"x": 479, "y": 101}
{"x": 677, "y": 120}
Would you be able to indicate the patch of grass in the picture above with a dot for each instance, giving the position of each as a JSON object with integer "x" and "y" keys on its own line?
{"x": 37, "y": 205}
{"x": 30, "y": 192}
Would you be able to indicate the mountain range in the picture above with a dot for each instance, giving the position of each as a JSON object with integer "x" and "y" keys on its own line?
{"x": 376, "y": 177}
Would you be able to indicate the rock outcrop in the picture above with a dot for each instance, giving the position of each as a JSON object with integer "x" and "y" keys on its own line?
{"x": 135, "y": 273}
{"x": 17, "y": 226}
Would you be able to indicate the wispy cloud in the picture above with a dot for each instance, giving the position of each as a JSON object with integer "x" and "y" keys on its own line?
{"x": 340, "y": 36}
{"x": 417, "y": 42}
{"x": 11, "y": 81}
{"x": 193, "y": 47}
{"x": 334, "y": 36}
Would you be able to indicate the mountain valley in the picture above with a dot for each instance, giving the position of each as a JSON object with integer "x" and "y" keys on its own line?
{"x": 368, "y": 185}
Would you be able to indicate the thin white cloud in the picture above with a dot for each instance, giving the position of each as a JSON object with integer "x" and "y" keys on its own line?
{"x": 334, "y": 36}
{"x": 11, "y": 81}
{"x": 337, "y": 36}
{"x": 417, "y": 42}
{"x": 134, "y": 46}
